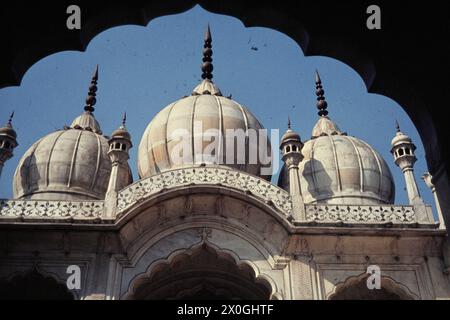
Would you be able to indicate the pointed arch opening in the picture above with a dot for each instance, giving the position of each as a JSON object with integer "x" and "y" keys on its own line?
{"x": 33, "y": 285}
{"x": 201, "y": 273}
{"x": 355, "y": 288}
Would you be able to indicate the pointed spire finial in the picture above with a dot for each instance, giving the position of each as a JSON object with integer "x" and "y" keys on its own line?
{"x": 321, "y": 103}
{"x": 10, "y": 119}
{"x": 289, "y": 122}
{"x": 318, "y": 76}
{"x": 207, "y": 66}
{"x": 124, "y": 119}
{"x": 91, "y": 100}
{"x": 397, "y": 126}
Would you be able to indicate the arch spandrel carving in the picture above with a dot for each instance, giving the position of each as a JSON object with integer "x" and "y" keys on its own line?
{"x": 224, "y": 261}
{"x": 231, "y": 243}
{"x": 211, "y": 205}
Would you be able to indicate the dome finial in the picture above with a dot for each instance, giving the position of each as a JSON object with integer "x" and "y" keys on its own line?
{"x": 207, "y": 66}
{"x": 91, "y": 100}
{"x": 321, "y": 103}
{"x": 289, "y": 122}
{"x": 9, "y": 124}
{"x": 397, "y": 126}
{"x": 124, "y": 118}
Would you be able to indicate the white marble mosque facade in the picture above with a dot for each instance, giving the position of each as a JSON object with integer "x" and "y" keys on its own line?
{"x": 207, "y": 229}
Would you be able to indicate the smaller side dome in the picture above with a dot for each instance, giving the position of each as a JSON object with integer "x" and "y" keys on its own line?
{"x": 289, "y": 135}
{"x": 400, "y": 138}
{"x": 340, "y": 169}
{"x": 7, "y": 130}
{"x": 8, "y": 142}
{"x": 69, "y": 164}
{"x": 122, "y": 132}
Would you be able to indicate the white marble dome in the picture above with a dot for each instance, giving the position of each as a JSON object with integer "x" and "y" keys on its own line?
{"x": 340, "y": 169}
{"x": 207, "y": 107}
{"x": 69, "y": 164}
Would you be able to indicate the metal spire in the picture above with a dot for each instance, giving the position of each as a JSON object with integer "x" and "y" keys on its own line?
{"x": 289, "y": 122}
{"x": 124, "y": 120}
{"x": 9, "y": 124}
{"x": 321, "y": 103}
{"x": 397, "y": 126}
{"x": 91, "y": 100}
{"x": 207, "y": 66}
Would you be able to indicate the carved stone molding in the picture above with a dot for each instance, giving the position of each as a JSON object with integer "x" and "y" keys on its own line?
{"x": 230, "y": 178}
{"x": 248, "y": 185}
{"x": 39, "y": 209}
{"x": 362, "y": 214}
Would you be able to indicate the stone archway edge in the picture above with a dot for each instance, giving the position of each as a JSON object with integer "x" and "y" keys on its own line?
{"x": 207, "y": 175}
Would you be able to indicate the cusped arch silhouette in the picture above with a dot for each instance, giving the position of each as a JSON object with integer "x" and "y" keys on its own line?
{"x": 355, "y": 288}
{"x": 34, "y": 284}
{"x": 375, "y": 56}
{"x": 207, "y": 271}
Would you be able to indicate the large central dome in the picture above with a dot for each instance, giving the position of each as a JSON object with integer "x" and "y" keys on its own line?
{"x": 197, "y": 129}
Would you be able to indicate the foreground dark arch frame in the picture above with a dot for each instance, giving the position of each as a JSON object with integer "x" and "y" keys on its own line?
{"x": 401, "y": 61}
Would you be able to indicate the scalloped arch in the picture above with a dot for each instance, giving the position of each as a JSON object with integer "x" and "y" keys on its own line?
{"x": 388, "y": 283}
{"x": 225, "y": 254}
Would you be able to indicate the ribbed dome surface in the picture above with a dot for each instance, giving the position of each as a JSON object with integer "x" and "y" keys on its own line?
{"x": 64, "y": 165}
{"x": 211, "y": 112}
{"x": 340, "y": 169}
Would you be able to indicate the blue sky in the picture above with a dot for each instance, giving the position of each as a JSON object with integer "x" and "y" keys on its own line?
{"x": 143, "y": 69}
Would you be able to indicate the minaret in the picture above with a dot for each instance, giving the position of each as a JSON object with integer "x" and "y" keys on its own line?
{"x": 428, "y": 179}
{"x": 403, "y": 151}
{"x": 291, "y": 150}
{"x": 8, "y": 141}
{"x": 119, "y": 147}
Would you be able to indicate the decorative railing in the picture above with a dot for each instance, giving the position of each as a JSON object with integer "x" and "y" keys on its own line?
{"x": 40, "y": 209}
{"x": 23, "y": 210}
{"x": 230, "y": 178}
{"x": 368, "y": 214}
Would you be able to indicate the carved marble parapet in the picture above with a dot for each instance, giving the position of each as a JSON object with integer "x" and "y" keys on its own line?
{"x": 41, "y": 209}
{"x": 365, "y": 214}
{"x": 317, "y": 214}
{"x": 218, "y": 176}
